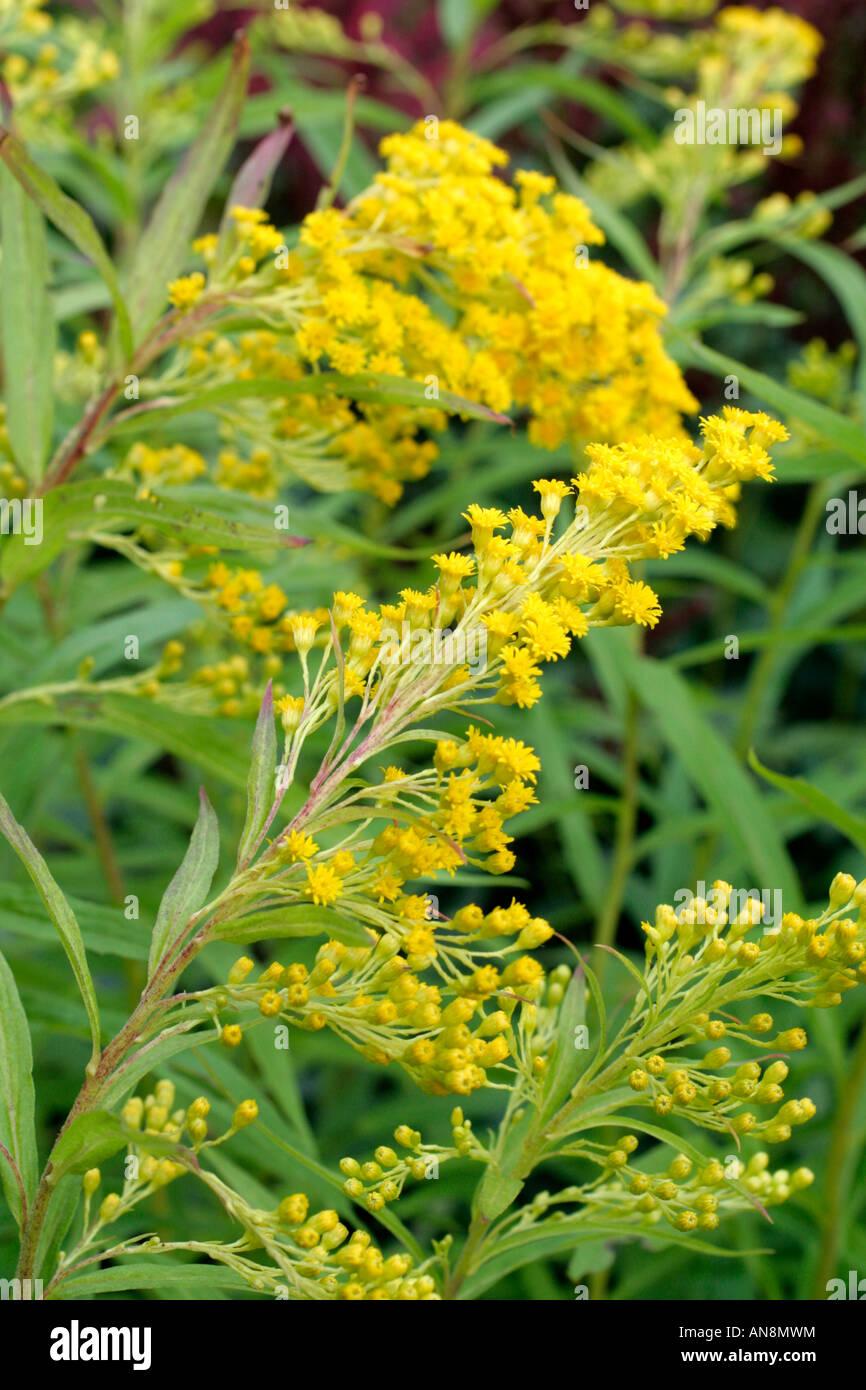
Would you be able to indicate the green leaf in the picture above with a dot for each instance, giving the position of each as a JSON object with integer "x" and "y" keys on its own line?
{"x": 189, "y": 888}
{"x": 457, "y": 21}
{"x": 697, "y": 320}
{"x": 580, "y": 847}
{"x": 157, "y": 1273}
{"x": 17, "y": 1100}
{"x": 59, "y": 1216}
{"x": 553, "y": 80}
{"x": 714, "y": 771}
{"x": 837, "y": 429}
{"x": 495, "y": 1193}
{"x": 637, "y": 976}
{"x": 261, "y": 786}
{"x": 253, "y": 180}
{"x": 796, "y": 636}
{"x": 570, "y": 1061}
{"x": 526, "y": 1246}
{"x": 846, "y": 279}
{"x": 85, "y": 1143}
{"x": 825, "y": 808}
{"x": 195, "y": 737}
{"x": 68, "y": 218}
{"x": 103, "y": 929}
{"x": 723, "y": 238}
{"x": 590, "y": 1257}
{"x": 164, "y": 245}
{"x": 76, "y": 511}
{"x": 92, "y": 1138}
{"x": 310, "y": 520}
{"x": 307, "y": 920}
{"x": 149, "y": 1059}
{"x": 714, "y": 569}
{"x": 27, "y": 325}
{"x": 61, "y": 915}
{"x": 378, "y": 389}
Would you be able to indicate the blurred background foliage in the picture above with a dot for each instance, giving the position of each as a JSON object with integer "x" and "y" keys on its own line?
{"x": 761, "y": 266}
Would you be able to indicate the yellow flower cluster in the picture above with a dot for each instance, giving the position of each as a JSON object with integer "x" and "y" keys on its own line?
{"x": 159, "y": 1125}
{"x": 375, "y": 997}
{"x": 344, "y": 1266}
{"x": 831, "y": 948}
{"x": 535, "y": 592}
{"x": 312, "y": 1249}
{"x": 715, "y": 1101}
{"x": 326, "y": 439}
{"x": 687, "y": 1197}
{"x": 703, "y": 953}
{"x": 441, "y": 273}
{"x": 43, "y": 77}
{"x": 781, "y": 45}
{"x": 745, "y": 61}
{"x": 172, "y": 466}
{"x": 382, "y": 1179}
{"x": 538, "y": 326}
{"x": 759, "y": 50}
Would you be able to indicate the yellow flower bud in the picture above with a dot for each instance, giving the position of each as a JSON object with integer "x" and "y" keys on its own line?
{"x": 91, "y": 1181}
{"x": 109, "y": 1207}
{"x": 244, "y": 1114}
{"x": 240, "y": 970}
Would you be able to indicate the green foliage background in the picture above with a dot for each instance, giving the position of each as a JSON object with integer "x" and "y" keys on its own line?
{"x": 107, "y": 785}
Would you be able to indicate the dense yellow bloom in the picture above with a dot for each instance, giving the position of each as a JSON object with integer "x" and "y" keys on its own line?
{"x": 538, "y": 327}
{"x": 185, "y": 291}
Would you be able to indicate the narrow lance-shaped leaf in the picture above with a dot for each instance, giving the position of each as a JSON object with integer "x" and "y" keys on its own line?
{"x": 572, "y": 1046}
{"x": 189, "y": 888}
{"x": 838, "y": 430}
{"x": 376, "y": 387}
{"x": 824, "y": 807}
{"x": 302, "y": 920}
{"x": 17, "y": 1122}
{"x": 68, "y": 218}
{"x": 75, "y": 511}
{"x": 262, "y": 783}
{"x": 28, "y": 329}
{"x": 714, "y": 771}
{"x": 61, "y": 915}
{"x": 164, "y": 246}
{"x": 158, "y": 1274}
{"x": 495, "y": 1193}
{"x": 190, "y": 736}
{"x": 253, "y": 180}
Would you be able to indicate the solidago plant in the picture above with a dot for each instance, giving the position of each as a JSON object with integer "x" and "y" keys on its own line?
{"x": 334, "y": 355}
{"x": 466, "y": 1002}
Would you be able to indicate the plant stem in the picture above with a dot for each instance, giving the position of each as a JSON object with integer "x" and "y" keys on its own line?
{"x": 839, "y": 1167}
{"x": 95, "y": 1085}
{"x": 625, "y": 828}
{"x": 101, "y": 831}
{"x": 763, "y": 668}
{"x": 477, "y": 1231}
